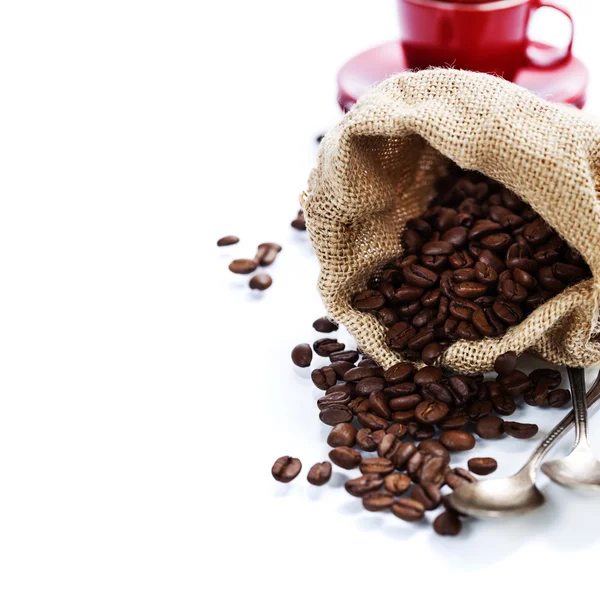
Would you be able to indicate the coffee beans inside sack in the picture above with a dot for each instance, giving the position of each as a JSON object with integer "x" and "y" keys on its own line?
{"x": 455, "y": 218}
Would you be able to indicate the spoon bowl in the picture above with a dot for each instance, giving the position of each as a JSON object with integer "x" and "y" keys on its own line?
{"x": 579, "y": 470}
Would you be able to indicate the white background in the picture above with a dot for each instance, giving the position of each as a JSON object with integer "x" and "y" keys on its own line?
{"x": 144, "y": 390}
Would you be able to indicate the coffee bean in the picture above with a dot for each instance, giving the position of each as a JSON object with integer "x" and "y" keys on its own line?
{"x": 400, "y": 389}
{"x": 345, "y": 356}
{"x": 457, "y": 441}
{"x": 551, "y": 377}
{"x": 433, "y": 448}
{"x": 286, "y": 468}
{"x": 549, "y": 282}
{"x": 398, "y": 430}
{"x": 432, "y": 470}
{"x": 408, "y": 509}
{"x": 428, "y": 494}
{"x": 537, "y": 395}
{"x": 333, "y": 399}
{"x": 399, "y": 335}
{"x": 368, "y": 300}
{"x": 457, "y": 477}
{"x": 388, "y": 445}
{"x": 326, "y": 346}
{"x": 482, "y": 466}
{"x": 447, "y": 523}
{"x": 482, "y": 228}
{"x": 537, "y": 232}
{"x": 342, "y": 434}
{"x": 421, "y": 431}
{"x": 507, "y": 311}
{"x": 431, "y": 411}
{"x": 397, "y": 483}
{"x": 403, "y": 454}
{"x": 267, "y": 253}
{"x": 439, "y": 392}
{"x": 457, "y": 236}
{"x": 422, "y": 338}
{"x": 319, "y": 474}
{"x": 359, "y": 405}
{"x": 299, "y": 223}
{"x": 407, "y": 293}
{"x": 470, "y": 289}
{"x": 363, "y": 485}
{"x": 521, "y": 431}
{"x": 419, "y": 276}
{"x": 358, "y": 373}
{"x": 514, "y": 383}
{"x": 505, "y": 363}
{"x": 345, "y": 457}
{"x": 243, "y": 266}
{"x": 558, "y": 398}
{"x": 228, "y": 240}
{"x": 341, "y": 368}
{"x": 451, "y": 423}
{"x": 378, "y": 403}
{"x": 371, "y": 421}
{"x": 399, "y": 373}
{"x": 376, "y": 501}
{"x": 503, "y": 405}
{"x": 489, "y": 427}
{"x": 335, "y": 414}
{"x": 378, "y": 465}
{"x": 437, "y": 248}
{"x": 365, "y": 441}
{"x": 463, "y": 309}
{"x": 479, "y": 408}
{"x": 302, "y": 355}
{"x": 403, "y": 416}
{"x": 368, "y": 385}
{"x": 411, "y": 241}
{"x": 568, "y": 273}
{"x": 427, "y": 375}
{"x": 325, "y": 325}
{"x": 324, "y": 377}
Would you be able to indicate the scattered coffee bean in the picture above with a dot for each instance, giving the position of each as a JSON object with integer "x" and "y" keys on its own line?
{"x": 345, "y": 457}
{"x": 376, "y": 501}
{"x": 447, "y": 523}
{"x": 408, "y": 509}
{"x": 506, "y": 363}
{"x": 558, "y": 398}
{"x": 482, "y": 466}
{"x": 342, "y": 434}
{"x": 327, "y": 346}
{"x": 243, "y": 266}
{"x": 286, "y": 468}
{"x": 521, "y": 431}
{"x": 335, "y": 414}
{"x": 489, "y": 428}
{"x": 228, "y": 240}
{"x": 299, "y": 222}
{"x": 267, "y": 253}
{"x": 302, "y": 355}
{"x": 363, "y": 485}
{"x": 320, "y": 473}
{"x": 325, "y": 325}
{"x": 397, "y": 483}
{"x": 457, "y": 441}
{"x": 260, "y": 282}
{"x": 428, "y": 494}
{"x": 457, "y": 477}
{"x": 377, "y": 465}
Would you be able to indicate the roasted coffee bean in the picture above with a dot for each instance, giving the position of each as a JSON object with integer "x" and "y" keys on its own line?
{"x": 267, "y": 253}
{"x": 408, "y": 293}
{"x": 408, "y": 509}
{"x": 433, "y": 470}
{"x": 512, "y": 291}
{"x": 438, "y": 391}
{"x": 457, "y": 236}
{"x": 320, "y": 473}
{"x": 489, "y": 258}
{"x": 515, "y": 383}
{"x": 483, "y": 324}
{"x": 422, "y": 338}
{"x": 437, "y": 248}
{"x": 325, "y": 325}
{"x": 485, "y": 274}
{"x": 457, "y": 477}
{"x": 363, "y": 485}
{"x": 378, "y": 404}
{"x": 538, "y": 298}
{"x": 507, "y": 311}
{"x": 399, "y": 335}
{"x": 365, "y": 441}
{"x": 324, "y": 377}
{"x": 398, "y": 430}
{"x": 505, "y": 363}
{"x": 503, "y": 405}
{"x": 342, "y": 434}
{"x": 376, "y": 501}
{"x": 377, "y": 465}
{"x": 496, "y": 242}
{"x": 243, "y": 266}
{"x": 399, "y": 373}
{"x": 462, "y": 387}
{"x": 414, "y": 464}
{"x": 359, "y": 405}
{"x": 388, "y": 445}
{"x": 457, "y": 441}
{"x": 551, "y": 377}
{"x": 419, "y": 225}
{"x": 427, "y": 375}
{"x": 479, "y": 408}
{"x": 333, "y": 399}
{"x": 403, "y": 454}
{"x": 345, "y": 356}
{"x": 345, "y": 457}
{"x": 537, "y": 232}
{"x": 368, "y": 385}
{"x": 336, "y": 413}
{"x": 260, "y": 282}
{"x": 411, "y": 241}
{"x": 368, "y": 300}
{"x": 348, "y": 388}
{"x": 431, "y": 298}
{"x": 446, "y": 218}
{"x": 302, "y": 355}
{"x": 421, "y": 431}
{"x": 568, "y": 273}
{"x": 482, "y": 228}
{"x": 447, "y": 523}
{"x": 299, "y": 223}
{"x": 397, "y": 483}
{"x": 423, "y": 317}
{"x": 341, "y": 367}
{"x": 400, "y": 389}
{"x": 525, "y": 279}
{"x": 326, "y": 346}
{"x": 431, "y": 411}
{"x": 388, "y": 316}
{"x": 558, "y": 398}
{"x": 420, "y": 276}
{"x": 466, "y": 331}
{"x": 461, "y": 259}
{"x": 403, "y": 417}
{"x": 537, "y": 395}
{"x": 521, "y": 431}
{"x": 451, "y": 423}
{"x": 286, "y": 468}
{"x": 482, "y": 466}
{"x": 549, "y": 282}
{"x": 470, "y": 289}
{"x": 228, "y": 240}
{"x": 404, "y": 403}
{"x": 505, "y": 217}
{"x": 427, "y": 494}
{"x": 463, "y": 309}
{"x": 371, "y": 421}
{"x": 490, "y": 427}
{"x": 359, "y": 373}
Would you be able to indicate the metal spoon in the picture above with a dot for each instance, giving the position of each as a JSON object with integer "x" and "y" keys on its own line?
{"x": 517, "y": 494}
{"x": 580, "y": 469}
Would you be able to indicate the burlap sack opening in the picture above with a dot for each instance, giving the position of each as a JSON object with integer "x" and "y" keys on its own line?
{"x": 376, "y": 168}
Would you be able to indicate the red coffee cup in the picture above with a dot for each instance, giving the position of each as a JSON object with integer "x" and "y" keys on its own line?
{"x": 489, "y": 36}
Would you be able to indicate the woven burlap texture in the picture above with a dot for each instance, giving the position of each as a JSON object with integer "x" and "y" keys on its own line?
{"x": 376, "y": 168}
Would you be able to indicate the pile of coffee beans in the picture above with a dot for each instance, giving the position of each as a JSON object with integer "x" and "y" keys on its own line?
{"x": 401, "y": 426}
{"x": 266, "y": 254}
{"x": 476, "y": 262}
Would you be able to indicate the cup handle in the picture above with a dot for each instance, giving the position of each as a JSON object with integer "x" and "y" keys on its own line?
{"x": 547, "y": 59}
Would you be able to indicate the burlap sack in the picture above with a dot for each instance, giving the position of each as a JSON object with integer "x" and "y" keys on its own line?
{"x": 375, "y": 170}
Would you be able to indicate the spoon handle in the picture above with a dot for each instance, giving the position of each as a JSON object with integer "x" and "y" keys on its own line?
{"x": 531, "y": 466}
{"x": 577, "y": 380}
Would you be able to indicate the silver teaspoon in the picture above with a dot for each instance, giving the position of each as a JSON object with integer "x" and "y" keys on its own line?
{"x": 518, "y": 494}
{"x": 580, "y": 469}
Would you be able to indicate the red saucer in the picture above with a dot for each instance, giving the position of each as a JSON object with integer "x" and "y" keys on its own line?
{"x": 566, "y": 83}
